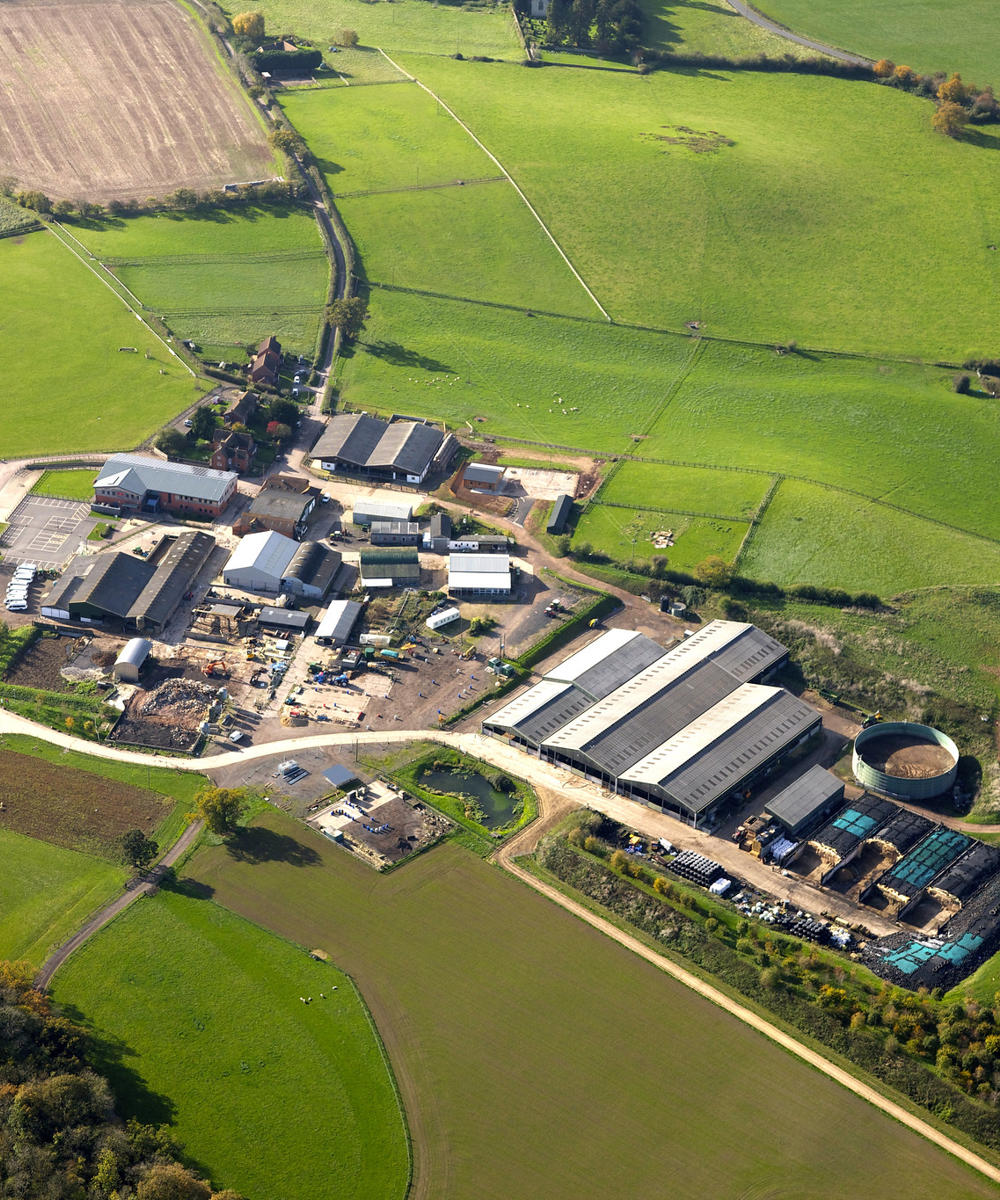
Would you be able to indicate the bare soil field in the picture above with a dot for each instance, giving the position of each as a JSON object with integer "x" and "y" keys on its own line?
{"x": 907, "y": 757}
{"x": 73, "y": 808}
{"x": 119, "y": 100}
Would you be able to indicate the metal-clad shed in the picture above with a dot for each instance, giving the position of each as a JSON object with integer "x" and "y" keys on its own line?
{"x": 560, "y": 514}
{"x": 283, "y": 618}
{"x": 129, "y": 662}
{"x": 390, "y": 506}
{"x": 337, "y": 622}
{"x": 806, "y": 800}
{"x": 259, "y": 562}
{"x": 390, "y": 568}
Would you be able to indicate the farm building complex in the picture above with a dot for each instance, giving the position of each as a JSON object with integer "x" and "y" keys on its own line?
{"x": 268, "y": 563}
{"x": 685, "y": 730}
{"x": 364, "y": 445}
{"x": 142, "y": 483}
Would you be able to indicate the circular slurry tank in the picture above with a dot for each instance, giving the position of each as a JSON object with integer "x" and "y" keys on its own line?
{"x": 906, "y": 760}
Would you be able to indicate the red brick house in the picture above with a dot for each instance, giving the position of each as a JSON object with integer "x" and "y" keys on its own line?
{"x": 142, "y": 483}
{"x": 266, "y": 363}
{"x": 232, "y": 450}
{"x": 243, "y": 411}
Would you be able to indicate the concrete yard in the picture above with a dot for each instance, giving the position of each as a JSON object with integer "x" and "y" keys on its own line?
{"x": 46, "y": 531}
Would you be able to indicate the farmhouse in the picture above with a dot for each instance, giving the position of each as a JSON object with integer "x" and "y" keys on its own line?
{"x": 683, "y": 730}
{"x": 232, "y": 450}
{"x": 265, "y": 365}
{"x": 390, "y": 568}
{"x": 142, "y": 483}
{"x": 242, "y": 411}
{"x": 365, "y": 445}
{"x": 283, "y": 505}
{"x": 483, "y": 574}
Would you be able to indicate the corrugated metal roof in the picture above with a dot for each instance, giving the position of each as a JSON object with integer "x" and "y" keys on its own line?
{"x": 270, "y": 553}
{"x": 113, "y": 583}
{"x": 350, "y": 437}
{"x": 528, "y": 702}
{"x": 173, "y": 576}
{"x": 313, "y": 565}
{"x": 595, "y": 652}
{"x": 483, "y": 473}
{"x": 804, "y": 797}
{"x": 483, "y": 563}
{"x": 644, "y": 727}
{"x": 716, "y": 766}
{"x": 406, "y": 446}
{"x": 338, "y": 620}
{"x": 560, "y": 513}
{"x": 135, "y": 651}
{"x": 140, "y": 473}
{"x": 389, "y": 507}
{"x": 283, "y": 618}
{"x": 369, "y": 443}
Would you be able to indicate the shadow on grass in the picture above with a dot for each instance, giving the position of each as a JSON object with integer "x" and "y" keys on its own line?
{"x": 398, "y": 356}
{"x": 258, "y": 845}
{"x": 110, "y": 1057}
{"x": 193, "y": 889}
{"x": 328, "y": 166}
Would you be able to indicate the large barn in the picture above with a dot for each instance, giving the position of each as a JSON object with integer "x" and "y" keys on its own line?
{"x": 684, "y": 730}
{"x": 365, "y": 445}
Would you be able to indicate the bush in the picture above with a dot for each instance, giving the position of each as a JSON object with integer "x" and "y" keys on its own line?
{"x": 961, "y": 384}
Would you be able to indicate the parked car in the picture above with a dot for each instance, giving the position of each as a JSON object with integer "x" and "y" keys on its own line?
{"x": 295, "y": 393}
{"x": 297, "y": 379}
{"x": 236, "y": 736}
{"x": 188, "y": 423}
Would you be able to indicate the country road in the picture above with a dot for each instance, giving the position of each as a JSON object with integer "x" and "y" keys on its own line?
{"x": 558, "y": 794}
{"x": 757, "y": 18}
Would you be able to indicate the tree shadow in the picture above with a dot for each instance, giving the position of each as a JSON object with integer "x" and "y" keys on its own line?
{"x": 328, "y": 166}
{"x": 194, "y": 889}
{"x": 979, "y": 137}
{"x": 398, "y": 356}
{"x": 109, "y": 1056}
{"x": 255, "y": 844}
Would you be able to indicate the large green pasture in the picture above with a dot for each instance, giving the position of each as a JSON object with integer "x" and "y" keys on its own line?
{"x": 821, "y": 223}
{"x": 817, "y": 535}
{"x": 383, "y": 137}
{"x": 431, "y": 28}
{"x": 73, "y": 390}
{"x": 928, "y": 35}
{"x": 503, "y": 371}
{"x": 626, "y": 535}
{"x": 222, "y": 277}
{"x": 274, "y": 1098}
{"x": 476, "y": 242}
{"x": 686, "y": 489}
{"x": 517, "y": 1079}
{"x": 46, "y": 893}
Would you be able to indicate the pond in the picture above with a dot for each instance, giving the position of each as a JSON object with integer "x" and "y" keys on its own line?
{"x": 498, "y": 807}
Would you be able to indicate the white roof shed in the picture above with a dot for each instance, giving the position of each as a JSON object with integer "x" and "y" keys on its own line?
{"x": 259, "y": 563}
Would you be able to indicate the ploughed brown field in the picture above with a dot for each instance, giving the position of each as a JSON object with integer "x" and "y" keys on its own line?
{"x": 105, "y": 101}
{"x": 73, "y": 808}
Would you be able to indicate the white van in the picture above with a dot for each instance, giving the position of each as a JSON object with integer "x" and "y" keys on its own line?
{"x": 17, "y": 606}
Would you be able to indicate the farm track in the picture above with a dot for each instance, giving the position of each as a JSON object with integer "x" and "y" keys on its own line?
{"x": 762, "y": 22}
{"x": 553, "y": 803}
{"x": 139, "y": 887}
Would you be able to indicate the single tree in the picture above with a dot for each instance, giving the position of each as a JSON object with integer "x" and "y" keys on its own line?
{"x": 249, "y": 24}
{"x": 284, "y": 411}
{"x": 138, "y": 849}
{"x": 279, "y": 430}
{"x": 347, "y": 37}
{"x": 203, "y": 423}
{"x": 170, "y": 1181}
{"x": 950, "y": 119}
{"x": 172, "y": 442}
{"x": 288, "y": 142}
{"x": 221, "y": 808}
{"x": 953, "y": 90}
{"x": 349, "y": 316}
{"x": 714, "y": 571}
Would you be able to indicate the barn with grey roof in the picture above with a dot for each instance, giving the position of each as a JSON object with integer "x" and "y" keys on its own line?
{"x": 366, "y": 445}
{"x": 683, "y": 729}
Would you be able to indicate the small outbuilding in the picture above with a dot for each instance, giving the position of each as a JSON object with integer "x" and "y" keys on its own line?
{"x": 337, "y": 622}
{"x": 129, "y": 663}
{"x": 484, "y": 477}
{"x": 560, "y": 514}
{"x": 806, "y": 801}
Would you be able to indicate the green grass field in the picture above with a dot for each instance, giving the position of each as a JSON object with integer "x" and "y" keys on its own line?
{"x": 221, "y": 278}
{"x": 686, "y": 489}
{"x": 46, "y": 893}
{"x": 413, "y": 24}
{"x": 959, "y": 35}
{"x": 517, "y": 1083}
{"x": 611, "y": 530}
{"x": 816, "y": 535}
{"x": 778, "y": 236}
{"x": 71, "y": 484}
{"x": 711, "y": 27}
{"x": 277, "y": 1099}
{"x": 76, "y": 391}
